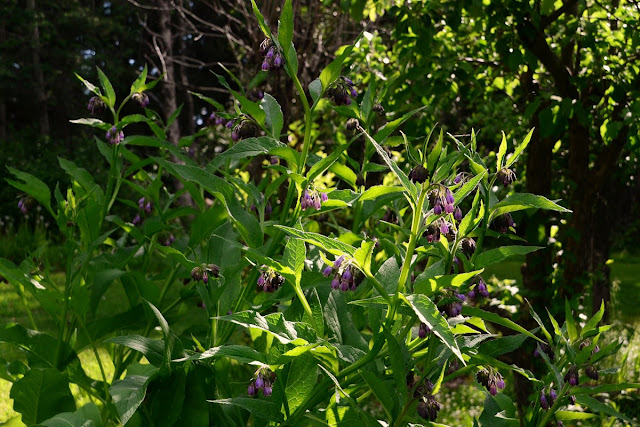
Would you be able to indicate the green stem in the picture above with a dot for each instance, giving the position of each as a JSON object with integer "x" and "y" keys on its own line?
{"x": 485, "y": 221}
{"x": 305, "y": 305}
{"x": 307, "y": 124}
{"x": 413, "y": 239}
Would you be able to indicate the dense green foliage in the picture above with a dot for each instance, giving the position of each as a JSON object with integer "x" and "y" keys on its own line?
{"x": 354, "y": 270}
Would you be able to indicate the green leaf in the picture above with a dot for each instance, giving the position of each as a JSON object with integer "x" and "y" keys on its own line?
{"x": 468, "y": 187}
{"x": 520, "y": 148}
{"x": 138, "y": 84}
{"x": 263, "y": 26}
{"x": 501, "y": 152}
{"x": 248, "y": 148}
{"x": 84, "y": 178}
{"x": 315, "y": 90}
{"x": 295, "y": 253}
{"x": 128, "y": 394}
{"x": 152, "y": 349}
{"x": 211, "y": 101}
{"x": 570, "y": 322}
{"x": 247, "y": 224}
{"x": 522, "y": 201}
{"x": 96, "y": 123}
{"x": 363, "y": 255}
{"x": 572, "y": 415}
{"x": 387, "y": 129}
{"x": 596, "y": 405}
{"x": 497, "y": 255}
{"x": 404, "y": 180}
{"x": 33, "y": 187}
{"x": 273, "y": 115}
{"x": 92, "y": 88}
{"x": 275, "y": 324}
{"x": 323, "y": 164}
{"x": 496, "y": 318}
{"x": 303, "y": 375}
{"x": 428, "y": 313}
{"x": 326, "y": 243}
{"x": 168, "y": 335}
{"x": 434, "y": 155}
{"x": 539, "y": 322}
{"x": 593, "y": 322}
{"x": 40, "y": 394}
{"x": 499, "y": 411}
{"x": 502, "y": 345}
{"x": 438, "y": 282}
{"x": 248, "y": 106}
{"x": 376, "y": 191}
{"x": 108, "y": 89}
{"x": 397, "y": 362}
{"x": 240, "y": 353}
{"x": 384, "y": 392}
{"x": 332, "y": 71}
{"x": 285, "y": 25}
{"x": 87, "y": 416}
{"x": 258, "y": 407}
{"x": 606, "y": 388}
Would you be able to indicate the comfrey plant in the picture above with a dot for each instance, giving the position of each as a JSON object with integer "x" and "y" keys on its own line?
{"x": 335, "y": 294}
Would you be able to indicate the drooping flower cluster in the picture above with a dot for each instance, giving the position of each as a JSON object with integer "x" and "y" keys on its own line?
{"x": 167, "y": 239}
{"x": 572, "y": 376}
{"x": 141, "y": 98}
{"x": 419, "y": 174}
{"x": 215, "y": 119}
{"x": 423, "y": 330}
{"x": 479, "y": 289}
{"x": 547, "y": 399}
{"x": 24, "y": 204}
{"x": 269, "y": 280}
{"x": 468, "y": 246}
{"x": 428, "y": 407}
{"x": 441, "y": 198}
{"x": 345, "y": 277}
{"x": 503, "y": 223}
{"x": 438, "y": 227}
{"x": 491, "y": 380}
{"x": 264, "y": 381}
{"x": 506, "y": 176}
{"x": 342, "y": 91}
{"x": 96, "y": 105}
{"x": 146, "y": 206}
{"x": 114, "y": 136}
{"x": 453, "y": 308}
{"x": 312, "y": 199}
{"x": 202, "y": 272}
{"x": 272, "y": 58}
{"x": 245, "y": 128}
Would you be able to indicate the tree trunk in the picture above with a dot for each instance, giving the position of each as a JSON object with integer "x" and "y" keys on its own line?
{"x": 38, "y": 76}
{"x": 168, "y": 88}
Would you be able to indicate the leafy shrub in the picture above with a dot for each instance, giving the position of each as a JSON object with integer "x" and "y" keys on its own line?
{"x": 342, "y": 290}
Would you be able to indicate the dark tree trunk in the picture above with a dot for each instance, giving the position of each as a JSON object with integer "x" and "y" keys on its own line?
{"x": 168, "y": 88}
{"x": 38, "y": 76}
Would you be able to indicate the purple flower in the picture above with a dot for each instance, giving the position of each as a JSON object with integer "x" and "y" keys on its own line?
{"x": 592, "y": 372}
{"x": 448, "y": 208}
{"x": 335, "y": 283}
{"x": 259, "y": 382}
{"x": 338, "y": 262}
{"x": 277, "y": 61}
{"x": 267, "y": 390}
{"x": 444, "y": 227}
{"x": 251, "y": 390}
{"x": 543, "y": 401}
{"x": 449, "y": 197}
{"x": 327, "y": 271}
{"x": 265, "y": 66}
{"x": 423, "y": 330}
{"x": 457, "y": 214}
{"x": 437, "y": 209}
{"x": 324, "y": 197}
{"x": 572, "y": 376}
{"x": 96, "y": 104}
{"x": 460, "y": 296}
{"x": 458, "y": 178}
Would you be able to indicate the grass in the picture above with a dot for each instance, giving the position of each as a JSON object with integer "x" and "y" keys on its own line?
{"x": 460, "y": 402}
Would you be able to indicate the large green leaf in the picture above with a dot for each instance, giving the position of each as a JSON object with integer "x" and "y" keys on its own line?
{"x": 328, "y": 244}
{"x": 391, "y": 126}
{"x": 152, "y": 349}
{"x": 494, "y": 256}
{"x": 596, "y": 405}
{"x": 404, "y": 180}
{"x": 248, "y": 148}
{"x": 32, "y": 186}
{"x": 108, "y": 88}
{"x": 285, "y": 26}
{"x": 521, "y": 201}
{"x": 128, "y": 394}
{"x": 247, "y": 224}
{"x": 276, "y": 325}
{"x": 428, "y": 313}
{"x": 384, "y": 392}
{"x": 295, "y": 253}
{"x": 502, "y": 345}
{"x": 240, "y": 353}
{"x": 303, "y": 375}
{"x": 495, "y": 318}
{"x": 40, "y": 394}
{"x": 520, "y": 149}
{"x": 258, "y": 407}
{"x": 87, "y": 416}
{"x": 332, "y": 71}
{"x": 273, "y": 115}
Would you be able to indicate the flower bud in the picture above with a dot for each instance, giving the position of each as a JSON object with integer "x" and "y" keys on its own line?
{"x": 141, "y": 98}
{"x": 419, "y": 174}
{"x": 96, "y": 105}
{"x": 352, "y": 124}
{"x": 572, "y": 376}
{"x": 591, "y": 372}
